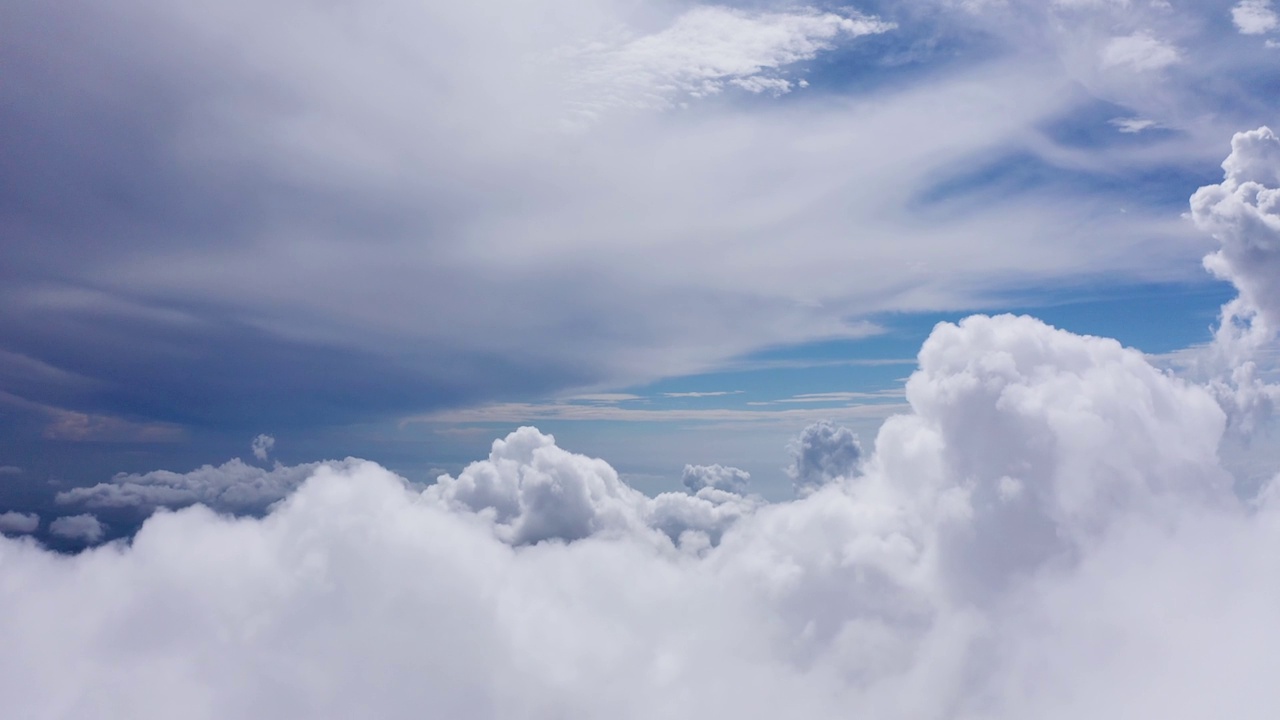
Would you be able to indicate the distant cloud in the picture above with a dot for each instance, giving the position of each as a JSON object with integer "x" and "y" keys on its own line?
{"x": 1255, "y": 17}
{"x": 235, "y": 486}
{"x": 10, "y": 470}
{"x": 1140, "y": 51}
{"x": 718, "y": 477}
{"x": 532, "y": 491}
{"x": 696, "y": 394}
{"x": 603, "y": 398}
{"x": 530, "y": 412}
{"x": 15, "y": 523}
{"x": 1243, "y": 214}
{"x": 262, "y": 446}
{"x": 85, "y": 528}
{"x": 1133, "y": 124}
{"x": 823, "y": 452}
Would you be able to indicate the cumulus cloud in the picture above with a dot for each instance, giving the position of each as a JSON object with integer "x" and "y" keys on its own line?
{"x": 16, "y": 523}
{"x": 530, "y": 490}
{"x": 1254, "y": 17}
{"x": 84, "y": 528}
{"x": 235, "y": 486}
{"x": 1046, "y": 533}
{"x": 719, "y": 477}
{"x": 1243, "y": 214}
{"x": 262, "y": 446}
{"x": 823, "y": 452}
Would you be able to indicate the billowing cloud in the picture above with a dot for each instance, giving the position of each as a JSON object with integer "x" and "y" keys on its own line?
{"x": 823, "y": 452}
{"x": 235, "y": 486}
{"x": 719, "y": 477}
{"x": 530, "y": 490}
{"x": 1243, "y": 215}
{"x": 1254, "y": 17}
{"x": 16, "y": 523}
{"x": 262, "y": 446}
{"x": 84, "y": 528}
{"x": 1046, "y": 534}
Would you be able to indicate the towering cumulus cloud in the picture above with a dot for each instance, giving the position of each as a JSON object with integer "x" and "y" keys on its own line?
{"x": 1046, "y": 534}
{"x": 1243, "y": 214}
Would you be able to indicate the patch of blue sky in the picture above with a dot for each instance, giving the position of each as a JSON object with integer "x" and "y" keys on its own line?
{"x": 1021, "y": 171}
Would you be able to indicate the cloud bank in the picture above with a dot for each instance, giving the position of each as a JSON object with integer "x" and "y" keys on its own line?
{"x": 1047, "y": 533}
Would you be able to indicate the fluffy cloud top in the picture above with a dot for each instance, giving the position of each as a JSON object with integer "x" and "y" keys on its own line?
{"x": 718, "y": 477}
{"x": 1243, "y": 215}
{"x": 530, "y": 490}
{"x": 17, "y": 523}
{"x": 1047, "y": 534}
{"x": 823, "y": 452}
{"x": 84, "y": 528}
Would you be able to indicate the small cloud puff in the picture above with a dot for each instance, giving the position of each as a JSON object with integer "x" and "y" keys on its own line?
{"x": 15, "y": 523}
{"x": 1254, "y": 17}
{"x": 823, "y": 452}
{"x": 262, "y": 446}
{"x": 84, "y": 528}
{"x": 718, "y": 477}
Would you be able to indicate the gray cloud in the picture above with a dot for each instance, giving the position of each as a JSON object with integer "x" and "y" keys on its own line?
{"x": 340, "y": 227}
{"x": 718, "y": 477}
{"x": 84, "y": 528}
{"x": 235, "y": 487}
{"x": 823, "y": 452}
{"x": 17, "y": 523}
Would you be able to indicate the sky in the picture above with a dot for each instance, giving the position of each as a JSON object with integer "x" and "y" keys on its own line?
{"x": 605, "y": 358}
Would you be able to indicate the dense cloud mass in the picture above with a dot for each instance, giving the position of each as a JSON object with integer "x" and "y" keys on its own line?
{"x": 1047, "y": 534}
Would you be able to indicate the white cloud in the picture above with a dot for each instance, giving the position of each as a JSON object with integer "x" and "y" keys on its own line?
{"x": 704, "y": 50}
{"x": 84, "y": 528}
{"x": 1254, "y": 17}
{"x": 262, "y": 446}
{"x": 718, "y": 477}
{"x": 235, "y": 486}
{"x": 1140, "y": 51}
{"x": 1243, "y": 215}
{"x": 530, "y": 490}
{"x": 1133, "y": 124}
{"x": 822, "y": 453}
{"x": 1046, "y": 534}
{"x": 17, "y": 523}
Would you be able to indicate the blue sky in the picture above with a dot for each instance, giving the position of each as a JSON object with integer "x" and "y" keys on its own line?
{"x": 364, "y": 240}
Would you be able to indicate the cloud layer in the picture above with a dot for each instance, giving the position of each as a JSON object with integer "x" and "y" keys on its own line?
{"x": 1046, "y": 534}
